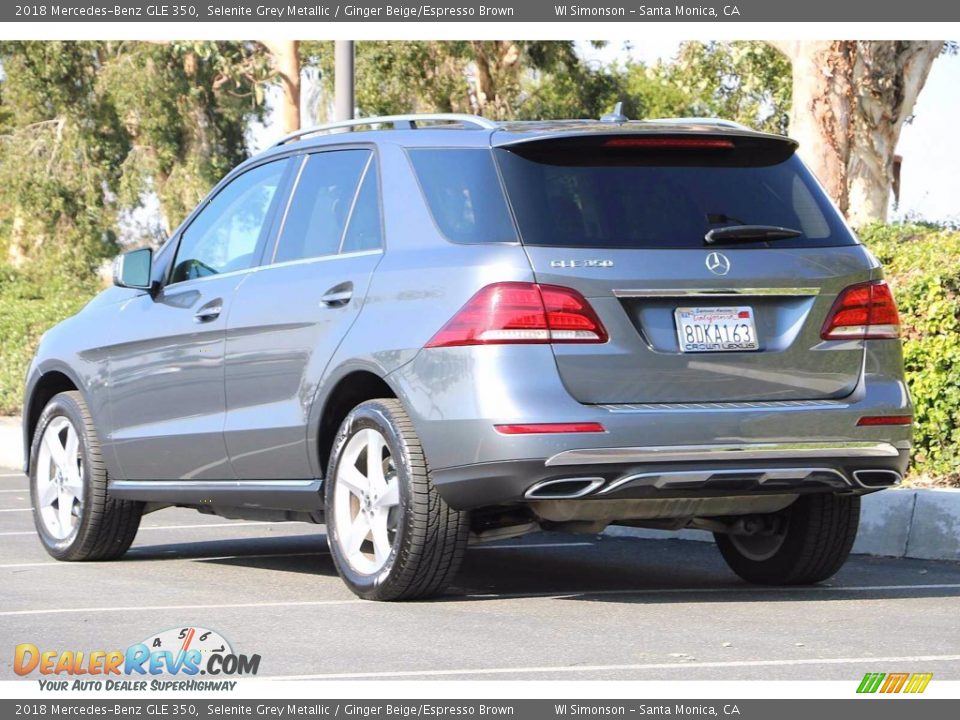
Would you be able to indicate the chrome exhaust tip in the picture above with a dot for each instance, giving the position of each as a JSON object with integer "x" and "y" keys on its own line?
{"x": 563, "y": 488}
{"x": 877, "y": 478}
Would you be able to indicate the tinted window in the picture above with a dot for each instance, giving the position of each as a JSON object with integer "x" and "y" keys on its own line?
{"x": 665, "y": 198}
{"x": 321, "y": 204}
{"x": 464, "y": 195}
{"x": 224, "y": 236}
{"x": 364, "y": 231}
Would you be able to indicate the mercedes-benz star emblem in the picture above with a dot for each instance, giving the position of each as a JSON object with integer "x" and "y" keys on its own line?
{"x": 718, "y": 264}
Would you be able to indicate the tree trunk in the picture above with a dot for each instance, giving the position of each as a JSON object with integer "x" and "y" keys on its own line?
{"x": 285, "y": 55}
{"x": 850, "y": 102}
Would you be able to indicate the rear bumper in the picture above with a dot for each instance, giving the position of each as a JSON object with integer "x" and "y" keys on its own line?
{"x": 456, "y": 396}
{"x": 659, "y": 473}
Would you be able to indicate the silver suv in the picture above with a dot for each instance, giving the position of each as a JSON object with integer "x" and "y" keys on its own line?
{"x": 427, "y": 331}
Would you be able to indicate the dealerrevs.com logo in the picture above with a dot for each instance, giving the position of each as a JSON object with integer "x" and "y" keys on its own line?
{"x": 186, "y": 651}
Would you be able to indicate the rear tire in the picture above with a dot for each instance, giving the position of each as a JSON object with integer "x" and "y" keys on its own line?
{"x": 391, "y": 535}
{"x": 74, "y": 514}
{"x": 818, "y": 533}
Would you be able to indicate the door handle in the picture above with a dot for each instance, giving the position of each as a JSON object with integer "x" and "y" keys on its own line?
{"x": 338, "y": 295}
{"x": 210, "y": 311}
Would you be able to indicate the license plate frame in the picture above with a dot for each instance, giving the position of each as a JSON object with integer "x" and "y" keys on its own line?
{"x": 730, "y": 328}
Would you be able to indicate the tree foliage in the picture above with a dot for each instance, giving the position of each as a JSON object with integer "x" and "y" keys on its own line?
{"x": 490, "y": 78}
{"x": 921, "y": 264}
{"x": 88, "y": 129}
{"x": 745, "y": 81}
{"x": 533, "y": 80}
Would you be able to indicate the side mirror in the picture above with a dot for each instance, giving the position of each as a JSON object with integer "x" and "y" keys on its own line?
{"x": 133, "y": 269}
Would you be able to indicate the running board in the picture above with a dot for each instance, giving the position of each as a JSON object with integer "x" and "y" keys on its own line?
{"x": 300, "y": 495}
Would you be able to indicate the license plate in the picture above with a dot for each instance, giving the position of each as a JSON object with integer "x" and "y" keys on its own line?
{"x": 716, "y": 329}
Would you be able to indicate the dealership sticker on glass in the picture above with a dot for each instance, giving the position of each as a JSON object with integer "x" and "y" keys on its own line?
{"x": 716, "y": 329}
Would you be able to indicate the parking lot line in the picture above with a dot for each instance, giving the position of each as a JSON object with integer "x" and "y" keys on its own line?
{"x": 13, "y": 475}
{"x": 714, "y": 590}
{"x": 614, "y": 668}
{"x": 13, "y": 490}
{"x": 171, "y": 527}
{"x": 16, "y": 510}
{"x": 127, "y": 560}
{"x": 218, "y": 606}
{"x": 510, "y": 596}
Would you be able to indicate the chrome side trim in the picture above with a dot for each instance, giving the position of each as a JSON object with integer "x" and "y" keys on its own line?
{"x": 292, "y": 495}
{"x": 716, "y": 292}
{"x": 212, "y": 484}
{"x": 666, "y": 479}
{"x": 592, "y": 484}
{"x": 722, "y": 453}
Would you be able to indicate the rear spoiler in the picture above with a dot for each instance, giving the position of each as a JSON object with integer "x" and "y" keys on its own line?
{"x": 650, "y": 145}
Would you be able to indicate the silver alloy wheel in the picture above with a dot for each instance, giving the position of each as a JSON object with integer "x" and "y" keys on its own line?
{"x": 366, "y": 501}
{"x": 759, "y": 547}
{"x": 59, "y": 473}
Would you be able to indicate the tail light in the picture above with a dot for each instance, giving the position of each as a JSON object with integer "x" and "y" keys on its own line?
{"x": 518, "y": 312}
{"x": 545, "y": 428}
{"x": 697, "y": 143}
{"x": 863, "y": 312}
{"x": 875, "y": 420}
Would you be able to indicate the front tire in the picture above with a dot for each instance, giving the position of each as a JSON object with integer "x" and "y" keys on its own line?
{"x": 74, "y": 514}
{"x": 814, "y": 539}
{"x": 391, "y": 535}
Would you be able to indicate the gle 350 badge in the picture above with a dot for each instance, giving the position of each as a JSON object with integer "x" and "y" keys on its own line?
{"x": 186, "y": 651}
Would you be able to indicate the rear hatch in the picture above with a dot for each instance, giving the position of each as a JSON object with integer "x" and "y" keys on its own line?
{"x": 623, "y": 219}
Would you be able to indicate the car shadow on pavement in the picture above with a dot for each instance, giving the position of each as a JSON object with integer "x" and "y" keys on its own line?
{"x": 595, "y": 570}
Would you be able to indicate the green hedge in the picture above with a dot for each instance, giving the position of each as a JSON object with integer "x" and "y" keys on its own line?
{"x": 31, "y": 302}
{"x": 922, "y": 263}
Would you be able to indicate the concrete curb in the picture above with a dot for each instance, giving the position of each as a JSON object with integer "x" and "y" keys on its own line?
{"x": 11, "y": 451}
{"x": 922, "y": 524}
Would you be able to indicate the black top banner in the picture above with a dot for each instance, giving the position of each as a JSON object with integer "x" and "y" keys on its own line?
{"x": 260, "y": 11}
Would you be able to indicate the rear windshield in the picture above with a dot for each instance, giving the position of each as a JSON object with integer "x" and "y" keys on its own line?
{"x": 596, "y": 192}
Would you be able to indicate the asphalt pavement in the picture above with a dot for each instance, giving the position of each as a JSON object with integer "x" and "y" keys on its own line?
{"x": 545, "y": 606}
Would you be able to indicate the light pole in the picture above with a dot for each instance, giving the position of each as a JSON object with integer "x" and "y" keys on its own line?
{"x": 343, "y": 103}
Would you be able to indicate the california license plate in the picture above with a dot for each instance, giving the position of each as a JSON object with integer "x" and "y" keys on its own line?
{"x": 716, "y": 329}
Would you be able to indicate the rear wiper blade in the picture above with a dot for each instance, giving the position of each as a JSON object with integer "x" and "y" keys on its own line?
{"x": 747, "y": 233}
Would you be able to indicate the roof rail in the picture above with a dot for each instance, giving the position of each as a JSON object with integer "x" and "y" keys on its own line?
{"x": 397, "y": 122}
{"x": 699, "y": 121}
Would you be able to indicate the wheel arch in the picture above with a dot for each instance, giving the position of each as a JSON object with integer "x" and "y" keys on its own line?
{"x": 50, "y": 383}
{"x": 351, "y": 388}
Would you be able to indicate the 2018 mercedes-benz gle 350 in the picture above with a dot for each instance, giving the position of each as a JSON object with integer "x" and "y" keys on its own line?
{"x": 427, "y": 331}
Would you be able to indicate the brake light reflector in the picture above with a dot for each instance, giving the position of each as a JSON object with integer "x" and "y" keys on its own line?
{"x": 667, "y": 142}
{"x": 863, "y": 312}
{"x": 872, "y": 420}
{"x": 540, "y": 428}
{"x": 526, "y": 313}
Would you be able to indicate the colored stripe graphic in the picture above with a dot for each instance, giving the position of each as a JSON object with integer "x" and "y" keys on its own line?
{"x": 918, "y": 682}
{"x": 894, "y": 682}
{"x": 870, "y": 682}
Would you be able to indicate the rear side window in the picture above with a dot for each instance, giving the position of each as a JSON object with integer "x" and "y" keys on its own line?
{"x": 321, "y": 204}
{"x": 365, "y": 232}
{"x": 463, "y": 193}
{"x": 597, "y": 193}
